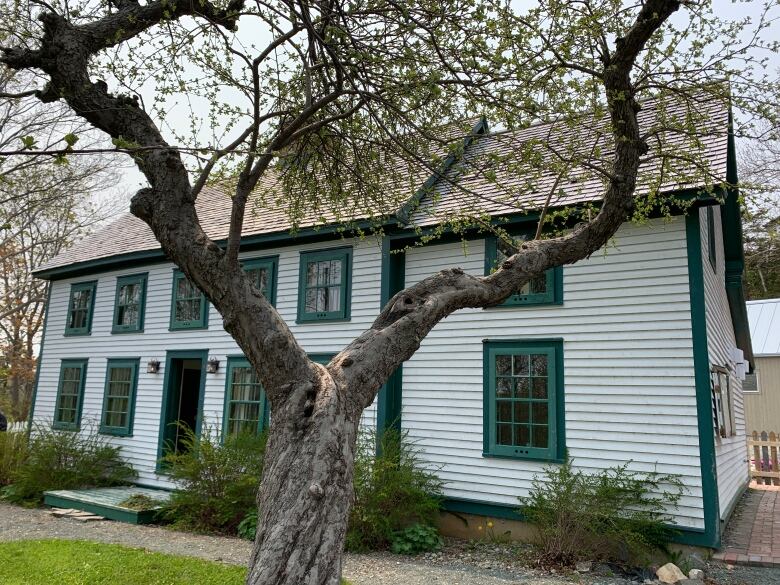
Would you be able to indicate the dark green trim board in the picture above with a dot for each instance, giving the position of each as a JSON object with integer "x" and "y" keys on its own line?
{"x": 701, "y": 365}
{"x": 196, "y": 354}
{"x": 138, "y": 326}
{"x": 40, "y": 358}
{"x": 76, "y": 287}
{"x": 110, "y": 512}
{"x": 344, "y": 255}
{"x": 388, "y": 415}
{"x": 81, "y": 365}
{"x": 406, "y": 210}
{"x": 126, "y": 430}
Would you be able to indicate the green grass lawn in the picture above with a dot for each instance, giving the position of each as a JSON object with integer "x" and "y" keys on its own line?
{"x": 67, "y": 562}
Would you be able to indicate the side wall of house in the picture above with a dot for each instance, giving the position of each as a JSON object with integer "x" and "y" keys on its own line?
{"x": 628, "y": 369}
{"x": 156, "y": 340}
{"x": 730, "y": 452}
{"x": 762, "y": 408}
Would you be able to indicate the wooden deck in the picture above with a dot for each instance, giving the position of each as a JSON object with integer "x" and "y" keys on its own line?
{"x": 107, "y": 502}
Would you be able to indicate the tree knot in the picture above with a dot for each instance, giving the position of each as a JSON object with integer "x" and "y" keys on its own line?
{"x": 316, "y": 490}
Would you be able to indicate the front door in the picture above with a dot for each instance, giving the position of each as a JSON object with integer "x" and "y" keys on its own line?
{"x": 182, "y": 400}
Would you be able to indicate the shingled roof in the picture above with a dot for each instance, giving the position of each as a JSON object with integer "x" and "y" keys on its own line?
{"x": 459, "y": 186}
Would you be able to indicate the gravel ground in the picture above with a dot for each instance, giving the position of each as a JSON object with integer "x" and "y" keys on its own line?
{"x": 460, "y": 563}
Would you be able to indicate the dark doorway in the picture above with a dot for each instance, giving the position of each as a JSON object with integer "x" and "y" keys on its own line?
{"x": 182, "y": 397}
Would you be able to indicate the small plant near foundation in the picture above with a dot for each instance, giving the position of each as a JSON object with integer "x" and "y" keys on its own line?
{"x": 218, "y": 480}
{"x": 394, "y": 491}
{"x": 615, "y": 515}
{"x": 247, "y": 528}
{"x": 61, "y": 460}
{"x": 416, "y": 539}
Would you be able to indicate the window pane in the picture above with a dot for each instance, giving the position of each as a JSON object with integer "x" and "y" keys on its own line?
{"x": 521, "y": 412}
{"x": 78, "y": 319}
{"x": 504, "y": 434}
{"x": 522, "y": 436}
{"x": 334, "y": 298}
{"x": 334, "y": 272}
{"x": 538, "y": 364}
{"x": 539, "y": 388}
{"x": 520, "y": 365}
{"x": 503, "y": 365}
{"x": 503, "y": 387}
{"x": 311, "y": 274}
{"x": 311, "y": 300}
{"x": 538, "y": 285}
{"x": 540, "y": 436}
{"x": 522, "y": 388}
{"x": 504, "y": 411}
{"x": 540, "y": 412}
{"x": 81, "y": 299}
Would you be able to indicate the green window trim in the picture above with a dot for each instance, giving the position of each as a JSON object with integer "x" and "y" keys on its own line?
{"x": 261, "y": 402}
{"x": 711, "y": 243}
{"x": 343, "y": 255}
{"x": 72, "y": 395}
{"x": 112, "y": 395}
{"x": 80, "y": 309}
{"x": 529, "y": 387}
{"x": 553, "y": 278}
{"x": 270, "y": 265}
{"x": 200, "y": 318}
{"x": 122, "y": 304}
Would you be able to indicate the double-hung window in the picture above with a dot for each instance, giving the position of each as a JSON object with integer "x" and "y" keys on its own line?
{"x": 722, "y": 403}
{"x": 70, "y": 395}
{"x": 545, "y": 289}
{"x": 262, "y": 272}
{"x": 80, "y": 307}
{"x": 524, "y": 401}
{"x": 189, "y": 308}
{"x": 324, "y": 285}
{"x": 246, "y": 407}
{"x": 129, "y": 304}
{"x": 119, "y": 397}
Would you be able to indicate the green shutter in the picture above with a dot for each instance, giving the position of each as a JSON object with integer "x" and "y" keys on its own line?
{"x": 246, "y": 406}
{"x": 70, "y": 395}
{"x": 189, "y": 307}
{"x": 119, "y": 397}
{"x": 524, "y": 405}
{"x": 263, "y": 273}
{"x": 546, "y": 289}
{"x": 324, "y": 285}
{"x": 81, "y": 305}
{"x": 129, "y": 304}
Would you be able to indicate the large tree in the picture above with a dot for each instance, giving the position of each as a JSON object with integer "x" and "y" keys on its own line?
{"x": 344, "y": 102}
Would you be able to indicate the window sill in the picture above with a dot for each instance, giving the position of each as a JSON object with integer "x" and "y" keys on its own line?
{"x": 300, "y": 321}
{"x": 60, "y": 427}
{"x": 192, "y": 328}
{"x": 523, "y": 458}
{"x": 111, "y": 433}
{"x": 533, "y": 304}
{"x": 77, "y": 333}
{"x": 126, "y": 331}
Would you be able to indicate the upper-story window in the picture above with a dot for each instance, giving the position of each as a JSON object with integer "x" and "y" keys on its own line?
{"x": 524, "y": 402}
{"x": 189, "y": 308}
{"x": 80, "y": 307}
{"x": 262, "y": 272}
{"x": 545, "y": 289}
{"x": 129, "y": 304}
{"x": 324, "y": 285}
{"x": 711, "y": 238}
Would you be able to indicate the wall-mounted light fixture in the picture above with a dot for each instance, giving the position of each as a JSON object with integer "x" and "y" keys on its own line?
{"x": 152, "y": 366}
{"x": 212, "y": 366}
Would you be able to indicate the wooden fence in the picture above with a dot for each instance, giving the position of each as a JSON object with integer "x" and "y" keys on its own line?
{"x": 763, "y": 456}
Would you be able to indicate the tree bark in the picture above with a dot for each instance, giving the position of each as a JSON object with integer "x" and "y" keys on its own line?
{"x": 307, "y": 488}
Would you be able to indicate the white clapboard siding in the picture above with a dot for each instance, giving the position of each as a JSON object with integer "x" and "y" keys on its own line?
{"x": 628, "y": 368}
{"x": 141, "y": 448}
{"x": 730, "y": 453}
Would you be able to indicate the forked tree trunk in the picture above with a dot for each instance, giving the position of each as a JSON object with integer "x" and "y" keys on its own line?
{"x": 307, "y": 490}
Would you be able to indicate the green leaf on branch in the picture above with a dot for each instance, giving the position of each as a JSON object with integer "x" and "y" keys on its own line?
{"x": 28, "y": 142}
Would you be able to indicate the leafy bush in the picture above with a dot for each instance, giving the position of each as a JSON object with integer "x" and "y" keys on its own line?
{"x": 61, "y": 460}
{"x": 247, "y": 528}
{"x": 617, "y": 514}
{"x": 415, "y": 539}
{"x": 13, "y": 452}
{"x": 218, "y": 480}
{"x": 393, "y": 491}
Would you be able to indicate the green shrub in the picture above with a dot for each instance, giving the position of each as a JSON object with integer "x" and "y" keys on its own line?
{"x": 61, "y": 460}
{"x": 247, "y": 528}
{"x": 415, "y": 539}
{"x": 218, "y": 481}
{"x": 615, "y": 515}
{"x": 393, "y": 491}
{"x": 13, "y": 453}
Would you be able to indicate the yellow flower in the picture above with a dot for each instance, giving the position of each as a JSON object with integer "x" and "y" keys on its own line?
{"x": 490, "y": 524}
{"x": 479, "y": 527}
